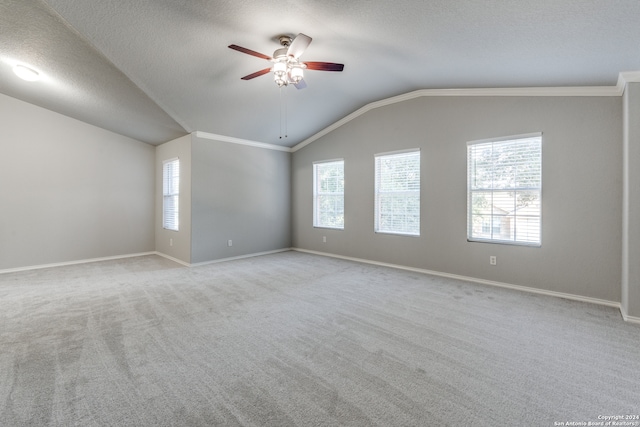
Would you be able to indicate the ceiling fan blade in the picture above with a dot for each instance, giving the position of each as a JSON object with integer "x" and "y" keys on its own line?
{"x": 300, "y": 85}
{"x": 249, "y": 52}
{"x": 298, "y": 45}
{"x": 324, "y": 66}
{"x": 256, "y": 74}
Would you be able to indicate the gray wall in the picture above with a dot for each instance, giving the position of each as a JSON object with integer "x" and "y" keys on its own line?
{"x": 631, "y": 203}
{"x": 239, "y": 193}
{"x": 176, "y": 244}
{"x": 70, "y": 191}
{"x": 582, "y": 189}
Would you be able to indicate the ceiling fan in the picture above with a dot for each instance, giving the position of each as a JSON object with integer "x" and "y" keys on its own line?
{"x": 287, "y": 67}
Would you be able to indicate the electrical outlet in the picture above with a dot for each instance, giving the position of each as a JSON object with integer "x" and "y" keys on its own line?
{"x": 324, "y": 239}
{"x": 229, "y": 243}
{"x": 493, "y": 260}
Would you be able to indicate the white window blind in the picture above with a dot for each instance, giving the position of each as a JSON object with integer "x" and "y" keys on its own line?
{"x": 397, "y": 193}
{"x": 170, "y": 194}
{"x": 504, "y": 189}
{"x": 328, "y": 194}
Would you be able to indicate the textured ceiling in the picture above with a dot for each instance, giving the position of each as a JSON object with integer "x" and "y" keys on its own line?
{"x": 157, "y": 69}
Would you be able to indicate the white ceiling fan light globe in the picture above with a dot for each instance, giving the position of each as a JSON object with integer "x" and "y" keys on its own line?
{"x": 279, "y": 69}
{"x": 280, "y": 80}
{"x": 296, "y": 74}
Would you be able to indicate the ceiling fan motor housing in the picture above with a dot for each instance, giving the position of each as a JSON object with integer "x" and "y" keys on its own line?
{"x": 285, "y": 40}
{"x": 280, "y": 53}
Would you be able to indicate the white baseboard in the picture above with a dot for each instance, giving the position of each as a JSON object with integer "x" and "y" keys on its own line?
{"x": 255, "y": 254}
{"x": 627, "y": 318}
{"x": 81, "y": 261}
{"x": 169, "y": 257}
{"x": 484, "y": 282}
{"x": 116, "y": 257}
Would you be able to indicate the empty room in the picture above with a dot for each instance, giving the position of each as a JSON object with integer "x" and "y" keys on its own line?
{"x": 365, "y": 213}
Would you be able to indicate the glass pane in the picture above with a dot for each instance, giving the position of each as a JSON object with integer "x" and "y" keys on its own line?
{"x": 481, "y": 203}
{"x": 329, "y": 194}
{"x": 330, "y": 211}
{"x": 398, "y": 193}
{"x": 503, "y": 202}
{"x": 527, "y": 229}
{"x": 399, "y": 213}
{"x": 511, "y": 172}
{"x": 480, "y": 171}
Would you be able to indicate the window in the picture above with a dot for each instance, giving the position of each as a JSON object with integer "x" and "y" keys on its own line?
{"x": 504, "y": 184}
{"x": 170, "y": 194}
{"x": 488, "y": 223}
{"x": 397, "y": 193}
{"x": 328, "y": 194}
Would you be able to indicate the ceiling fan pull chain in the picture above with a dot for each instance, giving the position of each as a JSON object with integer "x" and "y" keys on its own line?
{"x": 283, "y": 116}
{"x": 280, "y": 112}
{"x": 286, "y": 130}
{"x": 283, "y": 106}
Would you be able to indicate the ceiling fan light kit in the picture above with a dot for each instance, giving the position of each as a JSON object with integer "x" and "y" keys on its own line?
{"x": 287, "y": 68}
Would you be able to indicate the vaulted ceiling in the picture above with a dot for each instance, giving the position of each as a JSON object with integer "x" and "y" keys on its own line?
{"x": 158, "y": 69}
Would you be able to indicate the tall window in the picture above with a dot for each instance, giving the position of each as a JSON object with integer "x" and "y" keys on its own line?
{"x": 170, "y": 194}
{"x": 397, "y": 193}
{"x": 504, "y": 188}
{"x": 328, "y": 194}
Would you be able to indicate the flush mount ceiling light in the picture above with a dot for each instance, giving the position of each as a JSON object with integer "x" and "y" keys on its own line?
{"x": 26, "y": 73}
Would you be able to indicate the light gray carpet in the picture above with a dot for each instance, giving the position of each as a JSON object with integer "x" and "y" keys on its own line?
{"x": 296, "y": 339}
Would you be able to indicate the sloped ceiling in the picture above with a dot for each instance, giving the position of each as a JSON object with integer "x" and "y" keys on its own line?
{"x": 157, "y": 69}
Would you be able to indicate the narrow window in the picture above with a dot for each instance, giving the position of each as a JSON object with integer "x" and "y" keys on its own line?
{"x": 328, "y": 194}
{"x": 170, "y": 194}
{"x": 397, "y": 193}
{"x": 504, "y": 188}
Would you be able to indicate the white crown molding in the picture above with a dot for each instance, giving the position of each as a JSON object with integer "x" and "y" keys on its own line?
{"x": 232, "y": 140}
{"x": 627, "y": 77}
{"x": 524, "y": 91}
{"x": 567, "y": 91}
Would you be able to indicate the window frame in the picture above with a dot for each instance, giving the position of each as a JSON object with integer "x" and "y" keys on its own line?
{"x": 317, "y": 194}
{"x": 514, "y": 189}
{"x": 172, "y": 222}
{"x": 377, "y": 192}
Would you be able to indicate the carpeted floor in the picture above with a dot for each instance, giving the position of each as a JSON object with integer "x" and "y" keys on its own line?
{"x": 297, "y": 339}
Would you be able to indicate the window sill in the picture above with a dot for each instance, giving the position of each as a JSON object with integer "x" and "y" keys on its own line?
{"x": 505, "y": 242}
{"x": 396, "y": 233}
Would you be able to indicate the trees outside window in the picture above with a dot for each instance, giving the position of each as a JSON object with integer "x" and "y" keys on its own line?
{"x": 397, "y": 193}
{"x": 328, "y": 194}
{"x": 504, "y": 190}
{"x": 171, "y": 194}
